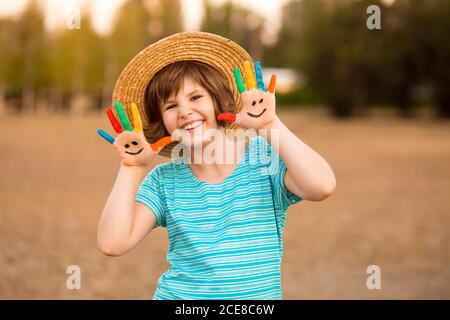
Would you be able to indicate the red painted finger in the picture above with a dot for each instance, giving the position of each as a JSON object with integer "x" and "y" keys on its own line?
{"x": 273, "y": 81}
{"x": 112, "y": 118}
{"x": 161, "y": 143}
{"x": 230, "y": 117}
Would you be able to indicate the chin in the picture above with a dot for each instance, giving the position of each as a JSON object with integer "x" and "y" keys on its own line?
{"x": 200, "y": 138}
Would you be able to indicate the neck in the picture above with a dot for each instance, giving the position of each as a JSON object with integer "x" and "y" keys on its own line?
{"x": 220, "y": 150}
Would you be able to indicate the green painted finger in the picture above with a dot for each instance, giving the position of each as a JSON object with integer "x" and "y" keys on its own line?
{"x": 239, "y": 82}
{"x": 123, "y": 117}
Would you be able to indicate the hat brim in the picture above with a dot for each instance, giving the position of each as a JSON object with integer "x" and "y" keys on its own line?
{"x": 214, "y": 50}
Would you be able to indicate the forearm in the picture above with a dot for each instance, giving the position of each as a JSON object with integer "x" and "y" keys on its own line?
{"x": 117, "y": 219}
{"x": 308, "y": 170}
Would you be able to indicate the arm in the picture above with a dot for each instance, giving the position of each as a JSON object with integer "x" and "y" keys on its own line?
{"x": 124, "y": 222}
{"x": 308, "y": 175}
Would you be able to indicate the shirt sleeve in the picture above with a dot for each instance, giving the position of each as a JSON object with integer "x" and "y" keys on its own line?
{"x": 276, "y": 169}
{"x": 150, "y": 193}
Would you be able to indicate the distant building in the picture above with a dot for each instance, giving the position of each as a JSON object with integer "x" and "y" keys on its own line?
{"x": 287, "y": 79}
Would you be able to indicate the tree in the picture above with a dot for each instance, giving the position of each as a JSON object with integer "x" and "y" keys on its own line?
{"x": 429, "y": 27}
{"x": 26, "y": 55}
{"x": 76, "y": 65}
{"x": 6, "y": 27}
{"x": 170, "y": 17}
{"x": 236, "y": 23}
{"x": 131, "y": 34}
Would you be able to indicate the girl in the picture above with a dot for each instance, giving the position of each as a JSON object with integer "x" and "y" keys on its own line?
{"x": 225, "y": 217}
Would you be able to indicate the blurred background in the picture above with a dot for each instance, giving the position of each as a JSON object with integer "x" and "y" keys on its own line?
{"x": 374, "y": 103}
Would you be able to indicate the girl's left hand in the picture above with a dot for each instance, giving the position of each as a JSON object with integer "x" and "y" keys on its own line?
{"x": 258, "y": 105}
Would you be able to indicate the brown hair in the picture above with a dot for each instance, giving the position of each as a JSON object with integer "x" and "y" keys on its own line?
{"x": 169, "y": 80}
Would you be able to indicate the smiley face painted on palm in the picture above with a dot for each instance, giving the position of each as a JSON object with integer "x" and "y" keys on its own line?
{"x": 258, "y": 104}
{"x": 258, "y": 107}
{"x": 134, "y": 143}
{"x": 131, "y": 142}
{"x": 257, "y": 115}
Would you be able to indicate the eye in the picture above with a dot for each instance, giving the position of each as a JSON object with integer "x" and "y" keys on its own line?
{"x": 260, "y": 101}
{"x": 134, "y": 143}
{"x": 196, "y": 97}
{"x": 171, "y": 106}
{"x": 127, "y": 146}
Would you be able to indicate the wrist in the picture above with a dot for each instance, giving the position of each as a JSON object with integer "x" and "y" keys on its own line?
{"x": 135, "y": 168}
{"x": 275, "y": 123}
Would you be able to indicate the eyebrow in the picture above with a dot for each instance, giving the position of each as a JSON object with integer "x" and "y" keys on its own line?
{"x": 189, "y": 94}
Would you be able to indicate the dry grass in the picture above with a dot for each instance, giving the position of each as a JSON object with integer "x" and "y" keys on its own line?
{"x": 391, "y": 209}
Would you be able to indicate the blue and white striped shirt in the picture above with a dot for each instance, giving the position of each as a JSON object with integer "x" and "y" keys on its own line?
{"x": 225, "y": 239}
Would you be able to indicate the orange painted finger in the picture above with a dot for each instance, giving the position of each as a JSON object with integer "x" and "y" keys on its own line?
{"x": 161, "y": 143}
{"x": 273, "y": 82}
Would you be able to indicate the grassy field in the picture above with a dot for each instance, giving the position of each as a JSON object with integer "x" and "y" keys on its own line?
{"x": 391, "y": 209}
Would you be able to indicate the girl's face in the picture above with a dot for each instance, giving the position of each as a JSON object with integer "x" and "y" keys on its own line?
{"x": 190, "y": 114}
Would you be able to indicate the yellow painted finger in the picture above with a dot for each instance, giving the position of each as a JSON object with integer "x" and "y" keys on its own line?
{"x": 249, "y": 76}
{"x": 136, "y": 118}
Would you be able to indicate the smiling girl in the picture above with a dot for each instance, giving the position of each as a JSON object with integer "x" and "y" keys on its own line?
{"x": 225, "y": 219}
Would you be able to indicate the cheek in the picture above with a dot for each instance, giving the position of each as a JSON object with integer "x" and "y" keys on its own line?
{"x": 208, "y": 111}
{"x": 170, "y": 121}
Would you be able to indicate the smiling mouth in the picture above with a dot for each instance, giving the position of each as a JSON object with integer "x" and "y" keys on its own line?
{"x": 256, "y": 116}
{"x": 198, "y": 123}
{"x": 134, "y": 153}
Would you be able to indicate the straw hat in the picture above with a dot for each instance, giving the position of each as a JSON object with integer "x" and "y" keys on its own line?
{"x": 214, "y": 50}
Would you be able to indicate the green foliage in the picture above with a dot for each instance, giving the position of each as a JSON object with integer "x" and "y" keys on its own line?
{"x": 347, "y": 66}
{"x": 71, "y": 62}
{"x": 352, "y": 67}
{"x": 236, "y": 23}
{"x": 298, "y": 96}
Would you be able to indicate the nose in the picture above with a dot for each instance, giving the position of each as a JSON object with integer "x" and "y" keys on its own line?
{"x": 185, "y": 111}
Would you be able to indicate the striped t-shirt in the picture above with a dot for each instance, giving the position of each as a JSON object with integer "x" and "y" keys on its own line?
{"x": 225, "y": 239}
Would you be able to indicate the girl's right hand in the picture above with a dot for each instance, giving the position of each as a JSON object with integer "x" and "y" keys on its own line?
{"x": 133, "y": 148}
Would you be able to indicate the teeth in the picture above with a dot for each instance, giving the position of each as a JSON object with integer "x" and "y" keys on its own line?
{"x": 193, "y": 125}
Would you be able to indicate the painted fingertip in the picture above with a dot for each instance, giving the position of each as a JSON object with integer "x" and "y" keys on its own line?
{"x": 122, "y": 116}
{"x": 229, "y": 117}
{"x": 239, "y": 81}
{"x": 249, "y": 78}
{"x": 118, "y": 107}
{"x": 106, "y": 136}
{"x": 161, "y": 143}
{"x": 112, "y": 118}
{"x": 273, "y": 81}
{"x": 136, "y": 118}
{"x": 259, "y": 76}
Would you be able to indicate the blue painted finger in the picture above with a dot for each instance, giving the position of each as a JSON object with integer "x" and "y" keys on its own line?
{"x": 106, "y": 136}
{"x": 259, "y": 76}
